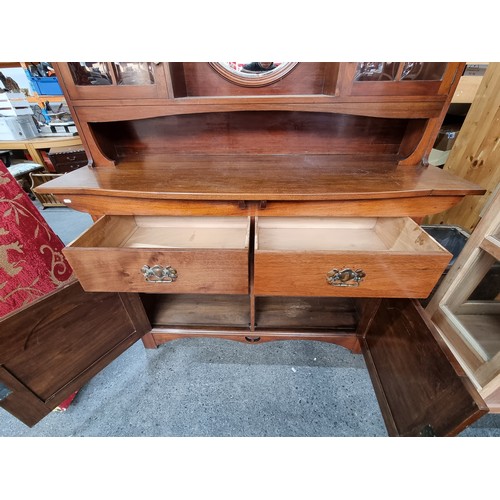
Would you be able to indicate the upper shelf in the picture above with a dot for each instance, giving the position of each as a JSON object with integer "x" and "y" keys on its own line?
{"x": 181, "y": 138}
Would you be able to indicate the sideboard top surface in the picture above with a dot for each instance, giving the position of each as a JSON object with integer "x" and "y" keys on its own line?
{"x": 261, "y": 177}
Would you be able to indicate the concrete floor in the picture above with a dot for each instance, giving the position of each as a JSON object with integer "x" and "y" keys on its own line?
{"x": 212, "y": 387}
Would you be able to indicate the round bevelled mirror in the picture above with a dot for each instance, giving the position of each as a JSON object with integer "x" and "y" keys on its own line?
{"x": 253, "y": 74}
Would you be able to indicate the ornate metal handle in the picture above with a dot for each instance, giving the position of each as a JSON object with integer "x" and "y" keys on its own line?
{"x": 159, "y": 274}
{"x": 345, "y": 277}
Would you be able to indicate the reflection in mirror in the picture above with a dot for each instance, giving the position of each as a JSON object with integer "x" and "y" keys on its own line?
{"x": 259, "y": 67}
{"x": 253, "y": 74}
{"x": 252, "y": 67}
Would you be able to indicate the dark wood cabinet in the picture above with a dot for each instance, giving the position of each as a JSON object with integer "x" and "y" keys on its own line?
{"x": 68, "y": 158}
{"x": 421, "y": 388}
{"x": 254, "y": 199}
{"x": 51, "y": 347}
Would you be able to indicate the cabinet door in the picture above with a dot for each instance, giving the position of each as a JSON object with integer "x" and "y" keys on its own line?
{"x": 420, "y": 386}
{"x": 398, "y": 78}
{"x": 113, "y": 80}
{"x": 51, "y": 347}
{"x": 466, "y": 306}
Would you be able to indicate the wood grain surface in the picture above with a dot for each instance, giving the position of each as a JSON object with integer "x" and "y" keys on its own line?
{"x": 51, "y": 347}
{"x": 420, "y": 386}
{"x": 262, "y": 177}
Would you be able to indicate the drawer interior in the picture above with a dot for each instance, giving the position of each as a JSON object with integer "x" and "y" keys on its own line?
{"x": 167, "y": 232}
{"x": 394, "y": 234}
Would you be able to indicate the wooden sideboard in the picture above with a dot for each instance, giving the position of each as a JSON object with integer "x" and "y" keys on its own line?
{"x": 278, "y": 207}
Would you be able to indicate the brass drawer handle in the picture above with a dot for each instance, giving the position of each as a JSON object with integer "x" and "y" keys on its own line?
{"x": 345, "y": 277}
{"x": 159, "y": 274}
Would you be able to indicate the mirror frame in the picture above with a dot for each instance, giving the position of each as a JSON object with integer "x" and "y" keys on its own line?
{"x": 254, "y": 80}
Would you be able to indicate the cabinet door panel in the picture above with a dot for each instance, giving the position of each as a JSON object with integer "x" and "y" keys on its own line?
{"x": 420, "y": 386}
{"x": 52, "y": 347}
{"x": 399, "y": 79}
{"x": 106, "y": 80}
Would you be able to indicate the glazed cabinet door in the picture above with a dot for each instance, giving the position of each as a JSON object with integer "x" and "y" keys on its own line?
{"x": 113, "y": 80}
{"x": 399, "y": 78}
{"x": 421, "y": 388}
{"x": 51, "y": 347}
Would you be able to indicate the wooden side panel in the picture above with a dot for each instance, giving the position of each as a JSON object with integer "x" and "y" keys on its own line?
{"x": 52, "y": 347}
{"x": 420, "y": 386}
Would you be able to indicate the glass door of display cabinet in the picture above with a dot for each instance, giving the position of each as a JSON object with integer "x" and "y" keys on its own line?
{"x": 398, "y": 78}
{"x": 473, "y": 312}
{"x": 114, "y": 80}
{"x": 467, "y": 309}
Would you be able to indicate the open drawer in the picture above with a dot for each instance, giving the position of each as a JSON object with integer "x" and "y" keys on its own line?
{"x": 163, "y": 254}
{"x": 350, "y": 257}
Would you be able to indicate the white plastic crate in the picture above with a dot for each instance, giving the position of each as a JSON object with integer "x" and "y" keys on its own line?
{"x": 14, "y": 128}
{"x": 14, "y": 104}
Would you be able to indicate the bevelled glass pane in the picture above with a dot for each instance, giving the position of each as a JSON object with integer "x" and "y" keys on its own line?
{"x": 423, "y": 71}
{"x": 479, "y": 309}
{"x": 134, "y": 73}
{"x": 376, "y": 71}
{"x": 90, "y": 73}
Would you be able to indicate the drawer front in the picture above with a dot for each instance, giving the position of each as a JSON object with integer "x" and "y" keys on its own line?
{"x": 62, "y": 168}
{"x": 379, "y": 274}
{"x": 66, "y": 162}
{"x": 177, "y": 271}
{"x": 71, "y": 157}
